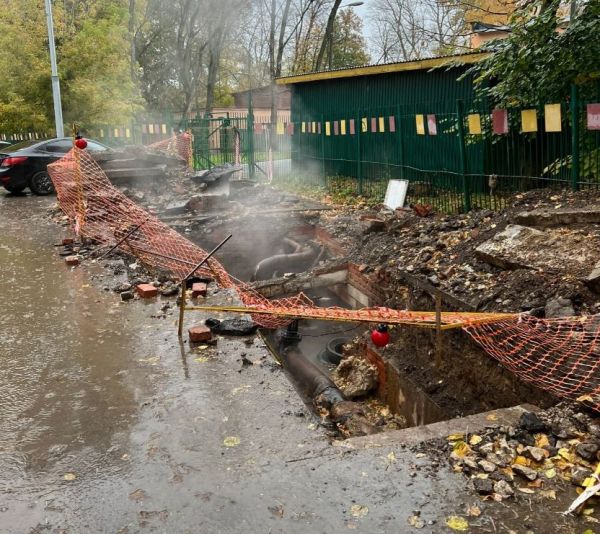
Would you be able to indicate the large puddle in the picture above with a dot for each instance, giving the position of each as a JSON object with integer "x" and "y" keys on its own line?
{"x": 69, "y": 370}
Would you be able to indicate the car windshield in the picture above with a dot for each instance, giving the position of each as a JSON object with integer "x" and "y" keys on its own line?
{"x": 19, "y": 146}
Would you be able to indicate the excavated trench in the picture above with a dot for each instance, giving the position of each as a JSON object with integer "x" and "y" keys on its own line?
{"x": 309, "y": 350}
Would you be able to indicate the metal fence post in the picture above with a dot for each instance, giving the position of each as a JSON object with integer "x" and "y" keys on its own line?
{"x": 460, "y": 117}
{"x": 250, "y": 135}
{"x": 359, "y": 154}
{"x": 575, "y": 137}
{"x": 400, "y": 134}
{"x": 323, "y": 172}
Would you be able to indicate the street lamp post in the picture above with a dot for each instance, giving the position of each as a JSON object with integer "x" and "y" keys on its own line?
{"x": 58, "y": 119}
{"x": 330, "y": 52}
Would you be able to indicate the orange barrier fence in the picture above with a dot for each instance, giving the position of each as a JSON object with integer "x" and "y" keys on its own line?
{"x": 558, "y": 355}
{"x": 178, "y": 145}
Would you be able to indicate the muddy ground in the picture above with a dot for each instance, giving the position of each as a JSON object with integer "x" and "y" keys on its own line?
{"x": 111, "y": 425}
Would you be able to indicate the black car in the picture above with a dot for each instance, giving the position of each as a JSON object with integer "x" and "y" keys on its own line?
{"x": 24, "y": 164}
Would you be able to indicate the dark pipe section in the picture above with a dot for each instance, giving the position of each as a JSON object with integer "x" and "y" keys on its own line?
{"x": 284, "y": 263}
{"x": 317, "y": 386}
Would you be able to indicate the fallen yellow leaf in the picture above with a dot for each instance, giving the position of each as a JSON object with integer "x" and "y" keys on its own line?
{"x": 201, "y": 359}
{"x": 231, "y": 441}
{"x": 455, "y": 437}
{"x": 70, "y": 476}
{"x": 588, "y": 511}
{"x": 548, "y": 494}
{"x": 358, "y": 510}
{"x": 456, "y": 522}
{"x": 475, "y": 439}
{"x": 492, "y": 417}
{"x": 541, "y": 441}
{"x": 521, "y": 460}
{"x": 526, "y": 490}
{"x": 461, "y": 449}
{"x": 584, "y": 398}
{"x": 550, "y": 473}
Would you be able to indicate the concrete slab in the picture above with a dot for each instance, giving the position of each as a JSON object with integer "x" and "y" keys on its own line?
{"x": 554, "y": 250}
{"x": 419, "y": 434}
{"x": 546, "y": 218}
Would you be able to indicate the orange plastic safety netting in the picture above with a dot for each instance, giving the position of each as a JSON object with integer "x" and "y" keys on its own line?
{"x": 101, "y": 212}
{"x": 561, "y": 356}
{"x": 177, "y": 145}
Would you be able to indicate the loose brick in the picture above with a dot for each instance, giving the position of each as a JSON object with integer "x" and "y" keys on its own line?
{"x": 200, "y": 333}
{"x": 199, "y": 290}
{"x": 72, "y": 260}
{"x": 68, "y": 241}
{"x": 146, "y": 291}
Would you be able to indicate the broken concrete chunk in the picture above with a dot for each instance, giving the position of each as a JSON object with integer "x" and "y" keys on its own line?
{"x": 502, "y": 249}
{"x": 535, "y": 453}
{"x": 546, "y": 218}
{"x": 488, "y": 467}
{"x": 503, "y": 489}
{"x": 483, "y": 486}
{"x": 592, "y": 280}
{"x": 72, "y": 261}
{"x": 524, "y": 471}
{"x": 559, "y": 307}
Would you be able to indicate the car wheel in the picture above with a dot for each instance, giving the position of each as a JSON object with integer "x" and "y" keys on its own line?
{"x": 13, "y": 189}
{"x": 41, "y": 184}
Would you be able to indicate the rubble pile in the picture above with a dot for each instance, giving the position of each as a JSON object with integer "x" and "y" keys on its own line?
{"x": 545, "y": 451}
{"x": 443, "y": 251}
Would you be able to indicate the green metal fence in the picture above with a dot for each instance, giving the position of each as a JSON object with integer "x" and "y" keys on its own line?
{"x": 450, "y": 164}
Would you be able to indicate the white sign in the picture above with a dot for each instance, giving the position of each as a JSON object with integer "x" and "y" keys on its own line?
{"x": 395, "y": 194}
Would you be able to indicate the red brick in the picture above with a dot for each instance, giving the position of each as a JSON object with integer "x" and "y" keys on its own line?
{"x": 200, "y": 333}
{"x": 199, "y": 290}
{"x": 68, "y": 241}
{"x": 147, "y": 291}
{"x": 72, "y": 260}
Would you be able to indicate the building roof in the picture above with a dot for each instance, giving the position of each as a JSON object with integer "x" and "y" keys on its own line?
{"x": 369, "y": 70}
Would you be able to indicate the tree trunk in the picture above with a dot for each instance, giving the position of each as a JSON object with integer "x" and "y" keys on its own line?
{"x": 214, "y": 62}
{"x": 327, "y": 37}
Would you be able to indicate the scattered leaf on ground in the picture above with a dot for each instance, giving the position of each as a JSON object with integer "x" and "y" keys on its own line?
{"x": 391, "y": 457}
{"x": 492, "y": 417}
{"x": 456, "y": 522}
{"x": 550, "y": 473}
{"x": 70, "y": 476}
{"x": 231, "y": 441}
{"x": 548, "y": 494}
{"x": 358, "y": 510}
{"x": 473, "y": 511}
{"x": 455, "y": 437}
{"x": 461, "y": 449}
{"x": 201, "y": 359}
{"x": 151, "y": 360}
{"x": 541, "y": 441}
{"x": 475, "y": 439}
{"x": 416, "y": 522}
{"x": 526, "y": 490}
{"x": 239, "y": 389}
{"x": 138, "y": 495}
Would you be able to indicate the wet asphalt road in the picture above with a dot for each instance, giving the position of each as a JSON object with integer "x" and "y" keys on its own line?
{"x": 108, "y": 424}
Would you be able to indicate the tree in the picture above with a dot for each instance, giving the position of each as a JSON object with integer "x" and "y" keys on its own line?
{"x": 539, "y": 61}
{"x": 349, "y": 48}
{"x": 414, "y": 29}
{"x": 92, "y": 48}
